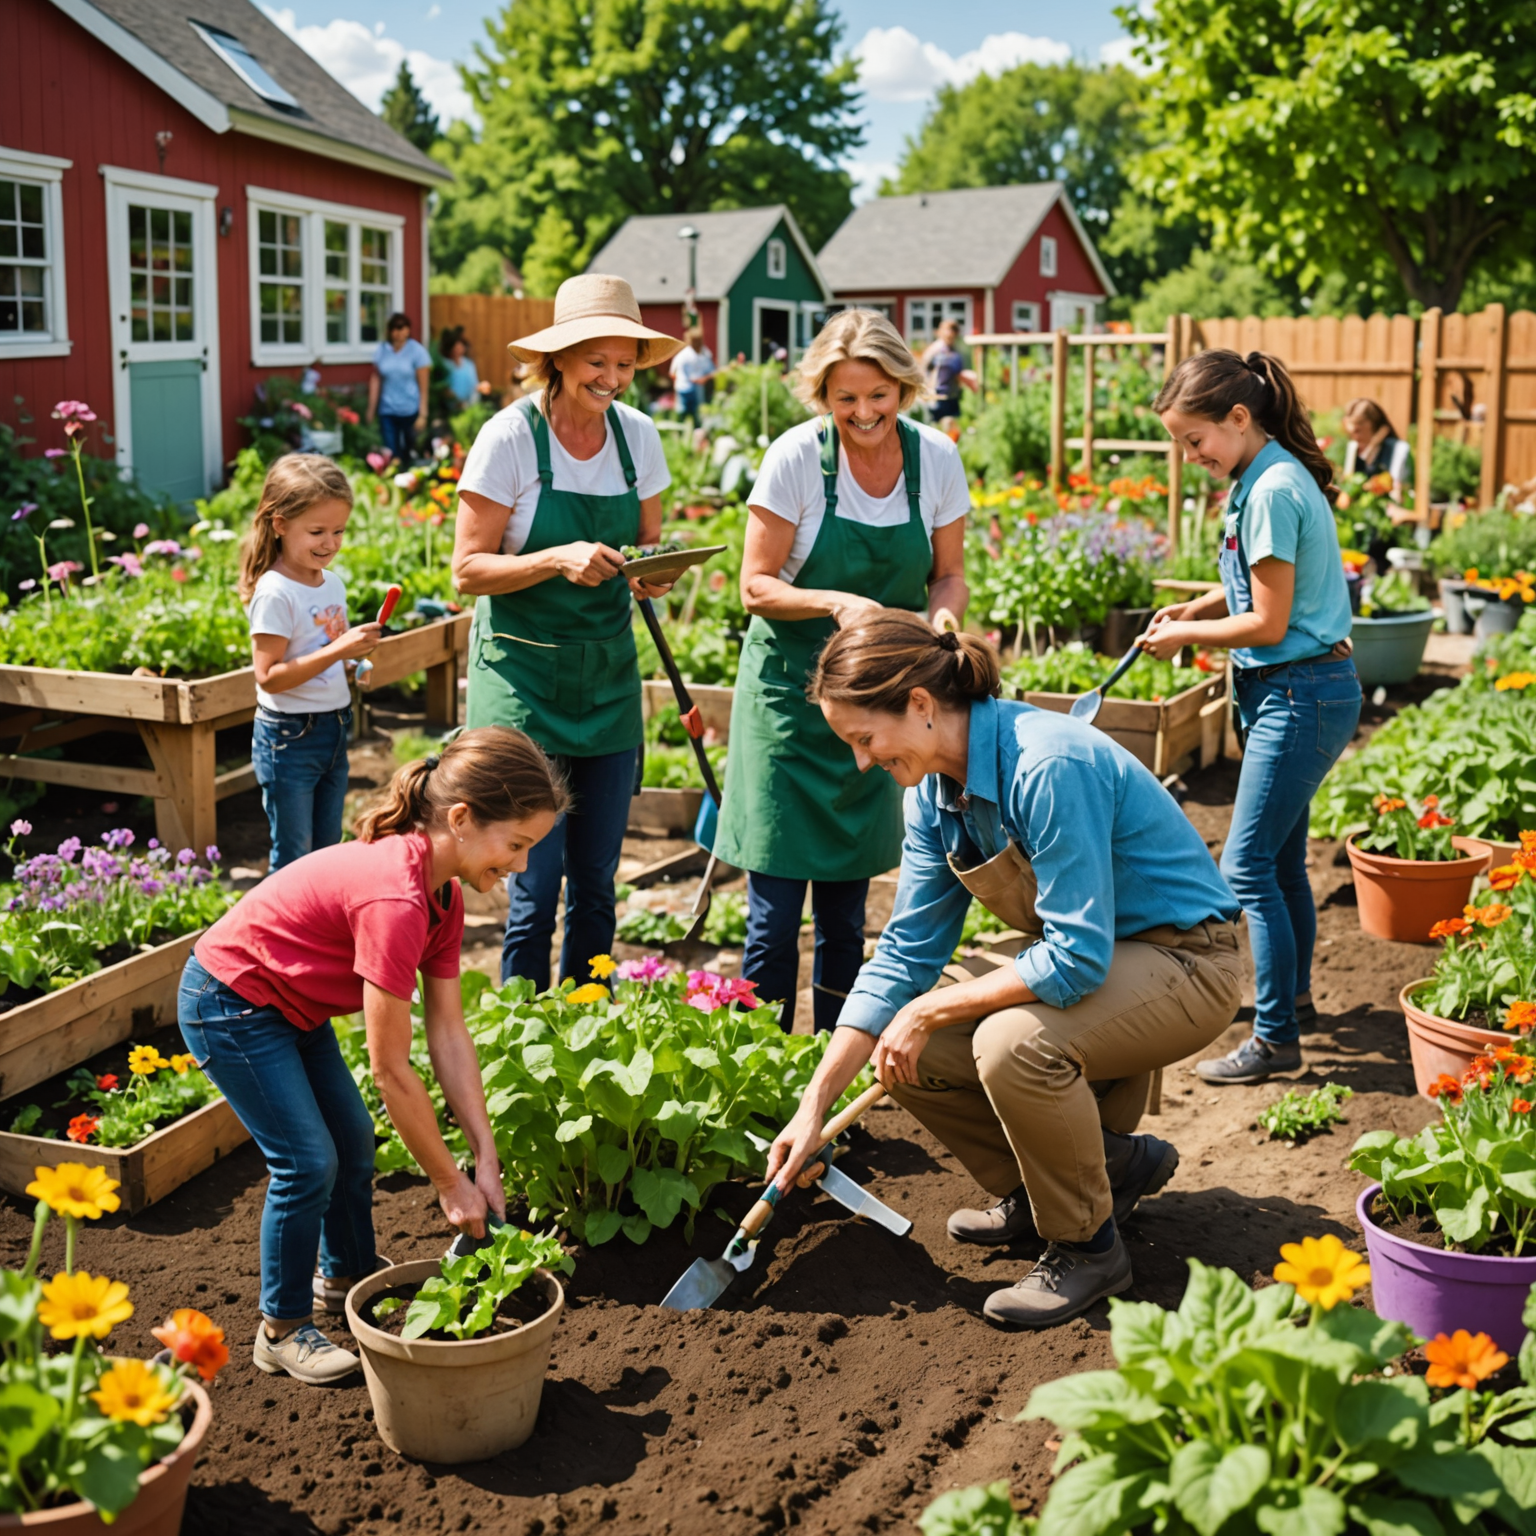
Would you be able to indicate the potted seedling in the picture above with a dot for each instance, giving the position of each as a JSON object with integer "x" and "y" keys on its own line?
{"x": 455, "y": 1350}
{"x": 1411, "y": 869}
{"x": 1391, "y": 631}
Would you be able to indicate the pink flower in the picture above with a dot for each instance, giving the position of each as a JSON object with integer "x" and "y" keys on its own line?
{"x": 178, "y": 573}
{"x": 130, "y": 563}
{"x": 648, "y": 968}
{"x": 300, "y": 409}
{"x": 26, "y": 509}
{"x": 708, "y": 991}
{"x": 20, "y": 828}
{"x": 162, "y": 547}
{"x": 77, "y": 410}
{"x": 350, "y": 417}
{"x": 141, "y": 530}
{"x": 63, "y": 569}
{"x": 377, "y": 460}
{"x": 53, "y": 453}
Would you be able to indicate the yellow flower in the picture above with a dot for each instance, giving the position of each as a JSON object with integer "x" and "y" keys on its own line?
{"x": 78, "y": 1304}
{"x": 144, "y": 1059}
{"x": 1323, "y": 1270}
{"x": 181, "y": 1064}
{"x": 1519, "y": 681}
{"x": 591, "y": 993}
{"x": 134, "y": 1392}
{"x": 603, "y": 966}
{"x": 72, "y": 1189}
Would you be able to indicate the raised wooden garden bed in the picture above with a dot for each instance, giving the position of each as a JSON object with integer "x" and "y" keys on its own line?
{"x": 178, "y": 721}
{"x": 51, "y": 1034}
{"x": 665, "y": 811}
{"x": 713, "y": 700}
{"x": 163, "y": 1161}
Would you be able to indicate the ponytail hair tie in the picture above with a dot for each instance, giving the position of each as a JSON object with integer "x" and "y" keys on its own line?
{"x": 949, "y": 641}
{"x": 432, "y": 760}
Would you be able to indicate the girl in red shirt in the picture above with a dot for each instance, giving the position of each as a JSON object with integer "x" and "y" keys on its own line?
{"x": 345, "y": 930}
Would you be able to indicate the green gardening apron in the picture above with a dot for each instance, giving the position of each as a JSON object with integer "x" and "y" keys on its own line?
{"x": 557, "y": 661}
{"x": 796, "y": 804}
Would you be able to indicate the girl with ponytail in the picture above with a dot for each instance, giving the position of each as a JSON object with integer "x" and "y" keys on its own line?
{"x": 347, "y": 929}
{"x": 1035, "y": 1066}
{"x": 1283, "y": 611}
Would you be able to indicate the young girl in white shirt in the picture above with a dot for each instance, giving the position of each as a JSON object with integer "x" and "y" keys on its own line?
{"x": 300, "y": 645}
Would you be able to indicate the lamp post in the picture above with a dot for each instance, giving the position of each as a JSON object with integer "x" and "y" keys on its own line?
{"x": 690, "y": 299}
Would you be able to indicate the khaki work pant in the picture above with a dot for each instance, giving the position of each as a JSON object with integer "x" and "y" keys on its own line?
{"x": 1024, "y": 1095}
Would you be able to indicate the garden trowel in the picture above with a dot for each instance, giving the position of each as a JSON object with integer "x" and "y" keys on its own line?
{"x": 705, "y": 1280}
{"x": 851, "y": 1194}
{"x": 1087, "y": 707}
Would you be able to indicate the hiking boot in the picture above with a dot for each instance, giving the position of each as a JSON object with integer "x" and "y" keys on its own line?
{"x": 1137, "y": 1166}
{"x": 305, "y": 1354}
{"x": 1063, "y": 1285}
{"x": 1252, "y": 1062}
{"x": 1009, "y": 1219}
{"x": 331, "y": 1290}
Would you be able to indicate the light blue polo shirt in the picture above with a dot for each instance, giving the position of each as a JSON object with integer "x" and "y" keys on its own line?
{"x": 1276, "y": 509}
{"x": 400, "y": 395}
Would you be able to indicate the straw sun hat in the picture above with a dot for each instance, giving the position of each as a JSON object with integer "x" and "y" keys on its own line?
{"x": 591, "y": 306}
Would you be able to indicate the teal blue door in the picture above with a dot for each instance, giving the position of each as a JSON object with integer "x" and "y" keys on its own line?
{"x": 166, "y": 404}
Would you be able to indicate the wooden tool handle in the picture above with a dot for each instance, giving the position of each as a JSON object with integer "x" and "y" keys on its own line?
{"x": 757, "y": 1218}
{"x": 840, "y": 1122}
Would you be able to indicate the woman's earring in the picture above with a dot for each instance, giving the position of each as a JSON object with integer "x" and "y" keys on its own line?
{"x": 929, "y": 724}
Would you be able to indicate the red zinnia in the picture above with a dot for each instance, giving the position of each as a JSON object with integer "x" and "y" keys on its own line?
{"x": 1521, "y": 1106}
{"x": 82, "y": 1128}
{"x": 107, "y": 1082}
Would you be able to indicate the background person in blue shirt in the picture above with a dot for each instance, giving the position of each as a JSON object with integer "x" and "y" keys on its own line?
{"x": 1033, "y": 1071}
{"x": 397, "y": 392}
{"x": 1283, "y": 609}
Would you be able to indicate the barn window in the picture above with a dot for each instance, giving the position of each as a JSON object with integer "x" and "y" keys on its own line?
{"x": 924, "y": 316}
{"x": 778, "y": 260}
{"x": 1026, "y": 317}
{"x": 32, "y": 311}
{"x": 1047, "y": 256}
{"x": 281, "y": 265}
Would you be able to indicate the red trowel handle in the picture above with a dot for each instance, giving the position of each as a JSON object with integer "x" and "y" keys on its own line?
{"x": 391, "y": 598}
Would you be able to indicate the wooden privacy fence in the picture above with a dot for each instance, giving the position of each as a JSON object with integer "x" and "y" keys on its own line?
{"x": 490, "y": 321}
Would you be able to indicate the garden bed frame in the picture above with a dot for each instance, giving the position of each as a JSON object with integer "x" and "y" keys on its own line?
{"x": 178, "y": 720}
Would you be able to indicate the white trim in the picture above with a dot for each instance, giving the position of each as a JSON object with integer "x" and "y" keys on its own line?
{"x": 1082, "y": 301}
{"x": 1048, "y": 268}
{"x": 722, "y": 330}
{"x": 48, "y": 170}
{"x": 807, "y": 255}
{"x": 292, "y": 202}
{"x": 940, "y": 298}
{"x": 293, "y": 137}
{"x": 776, "y": 254}
{"x": 426, "y": 265}
{"x": 783, "y": 306}
{"x": 208, "y": 110}
{"x": 1033, "y": 306}
{"x": 118, "y": 186}
{"x": 988, "y": 309}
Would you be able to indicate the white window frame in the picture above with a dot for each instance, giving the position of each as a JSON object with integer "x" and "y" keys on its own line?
{"x": 1029, "y": 323}
{"x": 784, "y": 307}
{"x": 929, "y": 329}
{"x": 315, "y": 214}
{"x": 778, "y": 259}
{"x": 1047, "y": 256}
{"x": 1075, "y": 312}
{"x": 46, "y": 171}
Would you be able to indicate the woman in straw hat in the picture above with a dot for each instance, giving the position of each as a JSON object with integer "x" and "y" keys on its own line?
{"x": 554, "y": 486}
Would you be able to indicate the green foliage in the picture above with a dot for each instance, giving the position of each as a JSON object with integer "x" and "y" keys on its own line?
{"x": 591, "y": 112}
{"x": 1074, "y": 668}
{"x": 1295, "y": 1115}
{"x": 1494, "y": 543}
{"x": 405, "y": 109}
{"x": 1489, "y": 959}
{"x": 706, "y": 651}
{"x": 741, "y": 392}
{"x": 1500, "y": 655}
{"x": 1394, "y": 593}
{"x": 1210, "y": 285}
{"x": 1455, "y": 471}
{"x": 462, "y": 1298}
{"x": 651, "y": 929}
{"x": 1403, "y": 832}
{"x": 726, "y": 924}
{"x": 1386, "y": 147}
{"x": 127, "y": 1112}
{"x": 985, "y": 1510}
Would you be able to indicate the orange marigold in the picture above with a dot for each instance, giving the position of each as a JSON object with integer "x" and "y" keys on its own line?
{"x": 1521, "y": 1017}
{"x": 1445, "y": 1087}
{"x": 1494, "y": 914}
{"x": 1462, "y": 1360}
{"x": 1385, "y": 803}
{"x": 1506, "y": 877}
{"x": 196, "y": 1340}
{"x": 1449, "y": 928}
{"x": 1521, "y": 1106}
{"x": 1432, "y": 819}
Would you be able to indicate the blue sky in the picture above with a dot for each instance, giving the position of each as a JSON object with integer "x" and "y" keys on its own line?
{"x": 907, "y": 49}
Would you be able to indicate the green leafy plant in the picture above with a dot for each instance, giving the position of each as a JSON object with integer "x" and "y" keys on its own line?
{"x": 1485, "y": 545}
{"x": 1489, "y": 959}
{"x": 985, "y": 1510}
{"x": 1394, "y": 593}
{"x": 158, "y": 1092}
{"x": 1295, "y": 1115}
{"x": 1401, "y": 834}
{"x": 1075, "y": 668}
{"x": 726, "y": 924}
{"x": 651, "y": 927}
{"x": 463, "y": 1298}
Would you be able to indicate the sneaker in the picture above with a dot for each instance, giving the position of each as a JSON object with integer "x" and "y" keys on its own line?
{"x": 1063, "y": 1285}
{"x": 331, "y": 1290}
{"x": 1137, "y": 1170}
{"x": 1010, "y": 1218}
{"x": 1252, "y": 1062}
{"x": 305, "y": 1354}
{"x": 1306, "y": 1015}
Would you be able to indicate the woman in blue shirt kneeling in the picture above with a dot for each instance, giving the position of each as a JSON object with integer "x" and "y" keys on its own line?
{"x": 1283, "y": 610}
{"x": 1034, "y": 1071}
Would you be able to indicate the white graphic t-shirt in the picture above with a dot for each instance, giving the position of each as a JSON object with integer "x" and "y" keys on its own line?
{"x": 308, "y": 618}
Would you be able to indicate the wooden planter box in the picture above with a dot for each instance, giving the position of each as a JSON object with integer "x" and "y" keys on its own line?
{"x": 1159, "y": 735}
{"x": 178, "y": 720}
{"x": 714, "y": 702}
{"x": 54, "y": 1033}
{"x": 147, "y": 1172}
{"x": 667, "y": 811}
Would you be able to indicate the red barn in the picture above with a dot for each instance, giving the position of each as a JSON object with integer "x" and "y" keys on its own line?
{"x": 185, "y": 206}
{"x": 993, "y": 258}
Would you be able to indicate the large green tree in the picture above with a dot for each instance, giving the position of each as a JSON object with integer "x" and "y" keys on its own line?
{"x": 405, "y": 109}
{"x": 1381, "y": 142}
{"x": 592, "y": 110}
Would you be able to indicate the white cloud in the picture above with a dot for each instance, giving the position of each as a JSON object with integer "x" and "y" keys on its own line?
{"x": 367, "y": 61}
{"x": 1118, "y": 50}
{"x": 867, "y": 176}
{"x": 895, "y": 65}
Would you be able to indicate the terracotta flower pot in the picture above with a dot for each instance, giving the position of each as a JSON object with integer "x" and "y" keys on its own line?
{"x": 453, "y": 1400}
{"x": 1441, "y": 1045}
{"x": 162, "y": 1492}
{"x": 1403, "y": 899}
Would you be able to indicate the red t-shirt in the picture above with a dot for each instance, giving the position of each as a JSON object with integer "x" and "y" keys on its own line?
{"x": 306, "y": 939}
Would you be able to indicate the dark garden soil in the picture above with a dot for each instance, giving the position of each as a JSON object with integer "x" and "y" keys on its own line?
{"x": 843, "y": 1382}
{"x": 523, "y": 1306}
{"x": 1420, "y": 1227}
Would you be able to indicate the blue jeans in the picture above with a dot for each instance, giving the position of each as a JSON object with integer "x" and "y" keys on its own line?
{"x": 688, "y": 402}
{"x": 1296, "y": 723}
{"x": 295, "y": 1095}
{"x": 772, "y": 955}
{"x": 583, "y": 850}
{"x": 399, "y": 433}
{"x": 301, "y": 765}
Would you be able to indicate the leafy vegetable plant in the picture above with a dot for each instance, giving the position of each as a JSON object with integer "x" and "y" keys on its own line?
{"x": 1074, "y": 668}
{"x": 1295, "y": 1115}
{"x": 1401, "y": 834}
{"x": 463, "y": 1298}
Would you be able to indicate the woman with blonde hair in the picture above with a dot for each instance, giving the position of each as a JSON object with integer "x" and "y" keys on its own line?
{"x": 856, "y": 510}
{"x": 347, "y": 929}
{"x": 553, "y": 488}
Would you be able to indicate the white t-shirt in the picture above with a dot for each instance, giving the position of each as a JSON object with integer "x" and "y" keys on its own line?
{"x": 307, "y": 617}
{"x": 503, "y": 466}
{"x": 789, "y": 485}
{"x": 689, "y": 366}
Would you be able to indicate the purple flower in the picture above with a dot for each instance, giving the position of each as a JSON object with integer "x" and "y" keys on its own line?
{"x": 151, "y": 887}
{"x": 130, "y": 564}
{"x": 51, "y": 904}
{"x": 186, "y": 856}
{"x": 53, "y": 453}
{"x": 211, "y": 853}
{"x": 26, "y": 509}
{"x": 118, "y": 837}
{"x": 69, "y": 848}
{"x": 99, "y": 865}
{"x": 158, "y": 856}
{"x": 162, "y": 547}
{"x": 20, "y": 828}
{"x": 154, "y": 842}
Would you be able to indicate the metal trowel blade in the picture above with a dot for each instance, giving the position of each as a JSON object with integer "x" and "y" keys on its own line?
{"x": 859, "y": 1200}
{"x": 702, "y": 1284}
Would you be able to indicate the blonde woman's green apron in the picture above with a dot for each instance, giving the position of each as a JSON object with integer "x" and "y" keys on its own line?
{"x": 796, "y": 805}
{"x": 557, "y": 661}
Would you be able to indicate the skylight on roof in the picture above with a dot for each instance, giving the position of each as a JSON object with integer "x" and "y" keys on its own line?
{"x": 239, "y": 58}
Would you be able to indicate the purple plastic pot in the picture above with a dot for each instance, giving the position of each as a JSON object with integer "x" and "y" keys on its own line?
{"x": 1436, "y": 1291}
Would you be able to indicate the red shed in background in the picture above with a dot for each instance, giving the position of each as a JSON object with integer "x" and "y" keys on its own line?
{"x": 185, "y": 207}
{"x": 993, "y": 258}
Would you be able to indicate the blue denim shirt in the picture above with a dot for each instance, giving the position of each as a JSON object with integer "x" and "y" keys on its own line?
{"x": 1112, "y": 853}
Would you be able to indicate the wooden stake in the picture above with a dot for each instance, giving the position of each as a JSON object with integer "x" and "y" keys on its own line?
{"x": 1497, "y": 323}
{"x": 1173, "y": 355}
{"x": 1089, "y": 382}
{"x": 1429, "y": 394}
{"x": 1058, "y": 410}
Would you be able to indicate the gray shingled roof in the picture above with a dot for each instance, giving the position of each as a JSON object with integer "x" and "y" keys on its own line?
{"x": 326, "y": 106}
{"x": 647, "y": 253}
{"x": 964, "y": 239}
